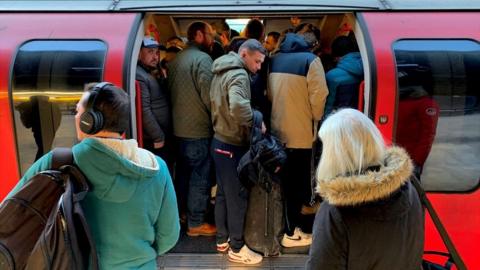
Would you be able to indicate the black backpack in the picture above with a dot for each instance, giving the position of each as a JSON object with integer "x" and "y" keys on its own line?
{"x": 257, "y": 171}
{"x": 43, "y": 225}
{"x": 258, "y": 166}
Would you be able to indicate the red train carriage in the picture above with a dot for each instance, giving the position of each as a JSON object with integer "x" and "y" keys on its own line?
{"x": 421, "y": 79}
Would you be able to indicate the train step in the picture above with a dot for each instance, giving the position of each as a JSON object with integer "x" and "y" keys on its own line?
{"x": 186, "y": 261}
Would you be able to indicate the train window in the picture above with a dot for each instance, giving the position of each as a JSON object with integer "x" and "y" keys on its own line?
{"x": 47, "y": 81}
{"x": 438, "y": 117}
{"x": 237, "y": 24}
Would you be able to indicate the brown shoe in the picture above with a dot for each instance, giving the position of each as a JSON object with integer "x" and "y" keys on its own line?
{"x": 205, "y": 230}
{"x": 310, "y": 210}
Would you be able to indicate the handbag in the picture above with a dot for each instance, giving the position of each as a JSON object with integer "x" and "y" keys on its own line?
{"x": 453, "y": 258}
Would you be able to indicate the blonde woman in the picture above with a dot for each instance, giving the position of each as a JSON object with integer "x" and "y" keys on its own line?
{"x": 371, "y": 217}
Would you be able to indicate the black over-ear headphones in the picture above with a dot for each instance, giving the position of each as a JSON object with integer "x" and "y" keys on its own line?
{"x": 91, "y": 121}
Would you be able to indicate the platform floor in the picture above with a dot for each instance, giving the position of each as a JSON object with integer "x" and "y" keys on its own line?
{"x": 188, "y": 261}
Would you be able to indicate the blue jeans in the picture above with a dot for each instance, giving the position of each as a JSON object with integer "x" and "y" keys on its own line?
{"x": 193, "y": 182}
{"x": 232, "y": 197}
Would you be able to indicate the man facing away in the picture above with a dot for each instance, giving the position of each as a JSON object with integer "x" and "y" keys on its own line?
{"x": 189, "y": 78}
{"x": 343, "y": 80}
{"x": 232, "y": 121}
{"x": 131, "y": 207}
{"x": 298, "y": 90}
{"x": 156, "y": 117}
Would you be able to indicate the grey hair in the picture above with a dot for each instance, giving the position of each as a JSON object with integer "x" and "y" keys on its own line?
{"x": 351, "y": 143}
{"x": 252, "y": 45}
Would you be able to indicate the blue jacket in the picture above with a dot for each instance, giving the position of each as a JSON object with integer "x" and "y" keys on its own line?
{"x": 131, "y": 209}
{"x": 349, "y": 71}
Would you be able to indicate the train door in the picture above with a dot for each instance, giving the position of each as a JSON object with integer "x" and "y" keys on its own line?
{"x": 166, "y": 28}
{"x": 427, "y": 100}
{"x": 46, "y": 59}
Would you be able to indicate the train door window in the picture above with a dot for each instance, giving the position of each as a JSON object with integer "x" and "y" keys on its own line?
{"x": 237, "y": 24}
{"x": 438, "y": 117}
{"x": 47, "y": 81}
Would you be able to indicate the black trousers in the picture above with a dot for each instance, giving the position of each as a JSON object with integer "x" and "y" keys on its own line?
{"x": 296, "y": 187}
{"x": 232, "y": 197}
{"x": 167, "y": 152}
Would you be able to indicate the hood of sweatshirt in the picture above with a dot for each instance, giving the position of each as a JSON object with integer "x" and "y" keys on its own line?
{"x": 227, "y": 62}
{"x": 293, "y": 43}
{"x": 114, "y": 167}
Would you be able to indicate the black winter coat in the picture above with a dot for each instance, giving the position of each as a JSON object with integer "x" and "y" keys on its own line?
{"x": 370, "y": 221}
{"x": 156, "y": 114}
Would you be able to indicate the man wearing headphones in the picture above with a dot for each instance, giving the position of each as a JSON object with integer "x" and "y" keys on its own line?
{"x": 131, "y": 209}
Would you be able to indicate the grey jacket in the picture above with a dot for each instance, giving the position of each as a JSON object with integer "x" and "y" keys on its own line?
{"x": 189, "y": 78}
{"x": 369, "y": 221}
{"x": 156, "y": 115}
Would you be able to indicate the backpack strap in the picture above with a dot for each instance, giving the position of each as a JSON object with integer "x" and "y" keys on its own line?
{"x": 84, "y": 254}
{"x": 438, "y": 224}
{"x": 76, "y": 188}
{"x": 61, "y": 156}
{"x": 256, "y": 132}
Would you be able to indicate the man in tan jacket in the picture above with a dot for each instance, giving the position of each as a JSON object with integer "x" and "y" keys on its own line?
{"x": 298, "y": 90}
{"x": 232, "y": 118}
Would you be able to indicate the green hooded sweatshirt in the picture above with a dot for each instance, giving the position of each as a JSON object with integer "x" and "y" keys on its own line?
{"x": 230, "y": 96}
{"x": 131, "y": 208}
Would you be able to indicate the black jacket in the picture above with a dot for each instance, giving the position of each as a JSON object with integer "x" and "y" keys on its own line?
{"x": 369, "y": 221}
{"x": 258, "y": 89}
{"x": 259, "y": 164}
{"x": 156, "y": 114}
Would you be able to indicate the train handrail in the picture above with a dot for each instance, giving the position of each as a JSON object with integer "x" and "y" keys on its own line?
{"x": 138, "y": 113}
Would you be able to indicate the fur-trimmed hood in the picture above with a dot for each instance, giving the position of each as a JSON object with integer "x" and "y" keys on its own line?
{"x": 371, "y": 185}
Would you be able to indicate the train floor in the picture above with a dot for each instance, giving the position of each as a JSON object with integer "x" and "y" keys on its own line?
{"x": 187, "y": 261}
{"x": 200, "y": 253}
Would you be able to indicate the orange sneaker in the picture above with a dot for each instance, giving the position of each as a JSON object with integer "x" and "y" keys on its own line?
{"x": 205, "y": 230}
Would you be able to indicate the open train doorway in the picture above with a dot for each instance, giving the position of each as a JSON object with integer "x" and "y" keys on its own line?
{"x": 170, "y": 31}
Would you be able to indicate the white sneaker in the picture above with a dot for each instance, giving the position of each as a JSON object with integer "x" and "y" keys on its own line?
{"x": 298, "y": 239}
{"x": 245, "y": 256}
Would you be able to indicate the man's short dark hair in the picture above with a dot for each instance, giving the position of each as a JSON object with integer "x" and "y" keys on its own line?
{"x": 170, "y": 39}
{"x": 113, "y": 102}
{"x": 173, "y": 49}
{"x": 254, "y": 29}
{"x": 234, "y": 33}
{"x": 252, "y": 45}
{"x": 221, "y": 27}
{"x": 274, "y": 35}
{"x": 236, "y": 43}
{"x": 194, "y": 27}
{"x": 343, "y": 45}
